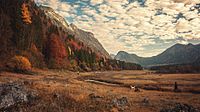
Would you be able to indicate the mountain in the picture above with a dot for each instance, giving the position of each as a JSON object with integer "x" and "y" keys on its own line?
{"x": 124, "y": 56}
{"x": 39, "y": 35}
{"x": 197, "y": 62}
{"x": 86, "y": 37}
{"x": 177, "y": 54}
{"x": 89, "y": 39}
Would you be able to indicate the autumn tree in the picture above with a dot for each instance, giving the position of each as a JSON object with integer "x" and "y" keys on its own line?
{"x": 23, "y": 27}
{"x": 25, "y": 14}
{"x": 56, "y": 51}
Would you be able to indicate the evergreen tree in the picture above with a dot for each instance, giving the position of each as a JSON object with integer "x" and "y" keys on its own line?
{"x": 5, "y": 33}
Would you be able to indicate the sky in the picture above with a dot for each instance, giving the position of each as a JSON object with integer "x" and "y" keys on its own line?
{"x": 142, "y": 27}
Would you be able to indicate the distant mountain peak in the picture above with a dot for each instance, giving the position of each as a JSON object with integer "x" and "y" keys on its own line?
{"x": 177, "y": 54}
{"x": 178, "y": 44}
{"x": 56, "y": 18}
{"x": 190, "y": 44}
{"x": 122, "y": 52}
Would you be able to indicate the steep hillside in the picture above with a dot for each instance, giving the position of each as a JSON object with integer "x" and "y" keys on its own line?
{"x": 89, "y": 39}
{"x": 177, "y": 54}
{"x": 47, "y": 40}
{"x": 86, "y": 37}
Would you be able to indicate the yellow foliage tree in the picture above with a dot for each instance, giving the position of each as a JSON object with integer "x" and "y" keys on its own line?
{"x": 19, "y": 63}
{"x": 25, "y": 14}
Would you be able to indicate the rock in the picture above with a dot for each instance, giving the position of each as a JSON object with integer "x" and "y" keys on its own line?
{"x": 27, "y": 82}
{"x": 13, "y": 94}
{"x": 137, "y": 89}
{"x": 145, "y": 101}
{"x": 56, "y": 95}
{"x": 93, "y": 96}
{"x": 120, "y": 102}
{"x": 180, "y": 108}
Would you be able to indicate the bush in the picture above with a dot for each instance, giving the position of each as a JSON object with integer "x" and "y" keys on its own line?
{"x": 19, "y": 64}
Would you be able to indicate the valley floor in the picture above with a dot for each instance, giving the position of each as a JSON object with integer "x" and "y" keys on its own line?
{"x": 109, "y": 91}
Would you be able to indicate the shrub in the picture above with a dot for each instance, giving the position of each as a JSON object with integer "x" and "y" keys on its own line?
{"x": 19, "y": 63}
{"x": 84, "y": 67}
{"x": 35, "y": 57}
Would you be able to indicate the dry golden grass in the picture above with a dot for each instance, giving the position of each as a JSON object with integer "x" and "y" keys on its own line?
{"x": 64, "y": 91}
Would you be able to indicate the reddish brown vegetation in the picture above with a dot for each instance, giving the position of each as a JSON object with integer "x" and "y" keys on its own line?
{"x": 75, "y": 44}
{"x": 56, "y": 50}
{"x": 56, "y": 47}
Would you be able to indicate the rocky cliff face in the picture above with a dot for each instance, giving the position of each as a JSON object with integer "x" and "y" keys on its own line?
{"x": 58, "y": 20}
{"x": 89, "y": 39}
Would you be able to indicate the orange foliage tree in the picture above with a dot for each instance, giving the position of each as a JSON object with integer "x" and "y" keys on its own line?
{"x": 19, "y": 63}
{"x": 25, "y": 14}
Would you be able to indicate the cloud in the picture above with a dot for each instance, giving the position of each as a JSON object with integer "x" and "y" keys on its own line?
{"x": 96, "y": 2}
{"x": 133, "y": 26}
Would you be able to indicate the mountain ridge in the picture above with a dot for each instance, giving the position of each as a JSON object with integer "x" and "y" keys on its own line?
{"x": 176, "y": 54}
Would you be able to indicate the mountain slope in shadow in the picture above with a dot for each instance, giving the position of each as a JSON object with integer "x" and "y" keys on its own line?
{"x": 177, "y": 54}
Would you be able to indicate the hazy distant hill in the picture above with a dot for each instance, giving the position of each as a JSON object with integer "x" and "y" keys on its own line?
{"x": 177, "y": 54}
{"x": 193, "y": 67}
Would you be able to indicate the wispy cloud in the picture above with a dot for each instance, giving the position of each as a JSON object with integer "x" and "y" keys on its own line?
{"x": 145, "y": 28}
